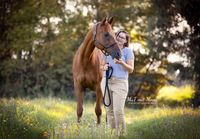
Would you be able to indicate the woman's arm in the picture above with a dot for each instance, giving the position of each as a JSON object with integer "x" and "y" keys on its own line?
{"x": 128, "y": 65}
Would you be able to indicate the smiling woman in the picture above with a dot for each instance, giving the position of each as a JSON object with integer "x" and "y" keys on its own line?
{"x": 118, "y": 83}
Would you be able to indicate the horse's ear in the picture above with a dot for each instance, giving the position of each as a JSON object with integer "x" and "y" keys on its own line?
{"x": 110, "y": 20}
{"x": 103, "y": 21}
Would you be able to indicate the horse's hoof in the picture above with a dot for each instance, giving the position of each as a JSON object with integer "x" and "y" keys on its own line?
{"x": 78, "y": 120}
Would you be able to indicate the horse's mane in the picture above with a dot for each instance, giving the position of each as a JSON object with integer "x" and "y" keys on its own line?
{"x": 89, "y": 34}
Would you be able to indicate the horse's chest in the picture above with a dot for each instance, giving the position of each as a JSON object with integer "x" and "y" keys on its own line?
{"x": 90, "y": 78}
{"x": 91, "y": 75}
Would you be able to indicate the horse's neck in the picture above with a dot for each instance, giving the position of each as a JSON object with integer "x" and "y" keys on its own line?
{"x": 87, "y": 48}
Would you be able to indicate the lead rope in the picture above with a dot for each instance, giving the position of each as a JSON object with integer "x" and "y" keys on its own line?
{"x": 109, "y": 72}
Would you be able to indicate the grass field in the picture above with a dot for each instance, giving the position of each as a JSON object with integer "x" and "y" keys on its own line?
{"x": 56, "y": 119}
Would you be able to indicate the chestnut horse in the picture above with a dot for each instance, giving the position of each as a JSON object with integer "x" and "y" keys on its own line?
{"x": 86, "y": 63}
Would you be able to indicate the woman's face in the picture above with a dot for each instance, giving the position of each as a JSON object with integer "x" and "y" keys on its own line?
{"x": 121, "y": 38}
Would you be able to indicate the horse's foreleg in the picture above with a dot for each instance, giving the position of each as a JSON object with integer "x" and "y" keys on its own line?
{"x": 98, "y": 105}
{"x": 79, "y": 98}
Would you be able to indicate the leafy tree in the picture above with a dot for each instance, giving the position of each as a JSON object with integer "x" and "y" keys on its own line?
{"x": 169, "y": 13}
{"x": 39, "y": 38}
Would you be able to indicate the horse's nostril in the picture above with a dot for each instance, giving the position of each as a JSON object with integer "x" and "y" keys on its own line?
{"x": 118, "y": 54}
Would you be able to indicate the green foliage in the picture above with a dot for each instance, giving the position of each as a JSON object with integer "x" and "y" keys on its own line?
{"x": 38, "y": 39}
{"x": 168, "y": 15}
{"x": 38, "y": 42}
{"x": 149, "y": 82}
{"x": 175, "y": 96}
{"x": 37, "y": 60}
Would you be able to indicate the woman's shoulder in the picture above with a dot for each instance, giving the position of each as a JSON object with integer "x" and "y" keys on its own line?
{"x": 127, "y": 50}
{"x": 128, "y": 53}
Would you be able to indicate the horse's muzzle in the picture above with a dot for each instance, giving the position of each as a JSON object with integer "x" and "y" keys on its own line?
{"x": 116, "y": 54}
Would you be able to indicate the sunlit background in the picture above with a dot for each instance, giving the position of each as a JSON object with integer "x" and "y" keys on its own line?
{"x": 38, "y": 40}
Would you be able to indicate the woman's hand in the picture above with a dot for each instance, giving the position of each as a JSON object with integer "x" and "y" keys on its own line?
{"x": 118, "y": 61}
{"x": 128, "y": 65}
{"x": 105, "y": 66}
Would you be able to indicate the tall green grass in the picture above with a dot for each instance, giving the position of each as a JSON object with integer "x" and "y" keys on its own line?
{"x": 164, "y": 123}
{"x": 56, "y": 119}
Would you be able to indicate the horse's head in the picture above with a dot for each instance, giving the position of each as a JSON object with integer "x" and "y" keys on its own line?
{"x": 104, "y": 38}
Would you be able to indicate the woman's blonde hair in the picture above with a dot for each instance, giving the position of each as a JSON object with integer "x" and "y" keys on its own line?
{"x": 127, "y": 37}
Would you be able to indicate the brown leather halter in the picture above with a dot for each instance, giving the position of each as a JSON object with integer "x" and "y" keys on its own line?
{"x": 96, "y": 42}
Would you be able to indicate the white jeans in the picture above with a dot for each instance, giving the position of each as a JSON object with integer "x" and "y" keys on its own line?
{"x": 115, "y": 112}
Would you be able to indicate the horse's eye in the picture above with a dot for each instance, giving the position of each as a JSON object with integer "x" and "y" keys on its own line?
{"x": 106, "y": 34}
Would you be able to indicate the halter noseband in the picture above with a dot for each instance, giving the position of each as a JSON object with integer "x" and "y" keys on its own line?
{"x": 96, "y": 42}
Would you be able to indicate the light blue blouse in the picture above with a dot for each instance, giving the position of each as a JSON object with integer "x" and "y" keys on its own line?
{"x": 118, "y": 70}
